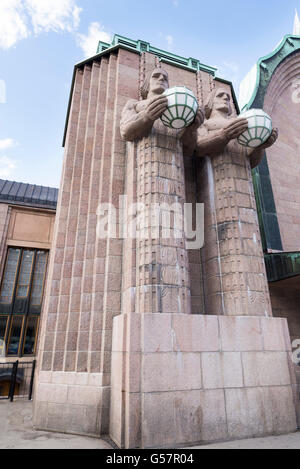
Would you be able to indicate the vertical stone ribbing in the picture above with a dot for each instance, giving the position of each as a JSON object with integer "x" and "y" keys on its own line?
{"x": 124, "y": 80}
{"x": 70, "y": 285}
{"x": 86, "y": 228}
{"x": 95, "y": 332}
{"x": 60, "y": 247}
{"x": 99, "y": 245}
{"x": 105, "y": 197}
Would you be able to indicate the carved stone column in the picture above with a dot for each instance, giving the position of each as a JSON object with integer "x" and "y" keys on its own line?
{"x": 162, "y": 275}
{"x": 235, "y": 277}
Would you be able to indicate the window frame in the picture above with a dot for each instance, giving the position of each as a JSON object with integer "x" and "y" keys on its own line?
{"x": 13, "y": 309}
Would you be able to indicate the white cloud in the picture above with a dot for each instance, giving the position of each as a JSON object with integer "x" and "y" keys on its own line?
{"x": 7, "y": 167}
{"x": 7, "y": 143}
{"x": 175, "y": 3}
{"x": 89, "y": 42}
{"x": 53, "y": 15}
{"x": 20, "y": 18}
{"x": 13, "y": 23}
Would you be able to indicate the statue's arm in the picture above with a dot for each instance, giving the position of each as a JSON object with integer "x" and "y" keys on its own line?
{"x": 215, "y": 141}
{"x": 189, "y": 135}
{"x": 255, "y": 157}
{"x": 257, "y": 154}
{"x": 210, "y": 143}
{"x": 134, "y": 125}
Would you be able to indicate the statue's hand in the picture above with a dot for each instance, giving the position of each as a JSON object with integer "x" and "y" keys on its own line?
{"x": 156, "y": 107}
{"x": 271, "y": 140}
{"x": 189, "y": 131}
{"x": 235, "y": 128}
{"x": 198, "y": 121}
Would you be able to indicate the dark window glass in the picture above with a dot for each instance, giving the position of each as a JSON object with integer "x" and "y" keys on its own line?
{"x": 3, "y": 323}
{"x": 21, "y": 298}
{"x": 15, "y": 335}
{"x": 30, "y": 335}
{"x": 39, "y": 278}
{"x": 9, "y": 277}
{"x": 25, "y": 274}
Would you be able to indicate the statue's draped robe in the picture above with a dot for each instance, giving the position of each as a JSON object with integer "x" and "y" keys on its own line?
{"x": 235, "y": 276}
{"x": 162, "y": 277}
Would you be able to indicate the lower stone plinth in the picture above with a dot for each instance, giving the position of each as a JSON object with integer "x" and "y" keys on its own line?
{"x": 186, "y": 379}
{"x": 75, "y": 403}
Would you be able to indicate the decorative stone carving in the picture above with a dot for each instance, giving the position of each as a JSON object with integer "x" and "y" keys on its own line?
{"x": 161, "y": 287}
{"x": 219, "y": 129}
{"x": 235, "y": 278}
{"x": 138, "y": 117}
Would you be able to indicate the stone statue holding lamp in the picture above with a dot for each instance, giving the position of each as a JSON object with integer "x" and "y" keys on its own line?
{"x": 227, "y": 149}
{"x": 220, "y": 130}
{"x": 138, "y": 117}
{"x": 161, "y": 129}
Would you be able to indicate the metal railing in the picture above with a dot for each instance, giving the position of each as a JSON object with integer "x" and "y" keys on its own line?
{"x": 16, "y": 380}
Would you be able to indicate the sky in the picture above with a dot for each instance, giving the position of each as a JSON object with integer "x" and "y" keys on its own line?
{"x": 42, "y": 40}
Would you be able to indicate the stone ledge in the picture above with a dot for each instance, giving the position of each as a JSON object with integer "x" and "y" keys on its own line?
{"x": 199, "y": 333}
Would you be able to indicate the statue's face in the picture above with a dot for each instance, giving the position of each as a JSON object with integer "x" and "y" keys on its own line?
{"x": 222, "y": 101}
{"x": 159, "y": 81}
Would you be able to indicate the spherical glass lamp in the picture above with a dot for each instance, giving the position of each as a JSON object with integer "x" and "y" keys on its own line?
{"x": 259, "y": 130}
{"x": 182, "y": 107}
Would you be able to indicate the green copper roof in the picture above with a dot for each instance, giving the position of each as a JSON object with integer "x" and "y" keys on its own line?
{"x": 254, "y": 86}
{"x": 164, "y": 56}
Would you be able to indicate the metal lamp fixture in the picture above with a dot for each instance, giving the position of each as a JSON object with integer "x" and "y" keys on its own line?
{"x": 182, "y": 107}
{"x": 259, "y": 130}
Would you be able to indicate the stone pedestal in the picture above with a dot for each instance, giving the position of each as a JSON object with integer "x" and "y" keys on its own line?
{"x": 183, "y": 379}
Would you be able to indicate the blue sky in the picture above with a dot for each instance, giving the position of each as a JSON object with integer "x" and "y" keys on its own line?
{"x": 41, "y": 40}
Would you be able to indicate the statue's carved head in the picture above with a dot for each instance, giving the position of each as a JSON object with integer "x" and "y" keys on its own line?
{"x": 218, "y": 100}
{"x": 157, "y": 81}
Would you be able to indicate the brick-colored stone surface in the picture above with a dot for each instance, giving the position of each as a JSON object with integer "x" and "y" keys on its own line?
{"x": 84, "y": 291}
{"x": 66, "y": 402}
{"x": 285, "y": 298}
{"x": 235, "y": 281}
{"x": 173, "y": 397}
{"x": 283, "y": 157}
{"x": 161, "y": 286}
